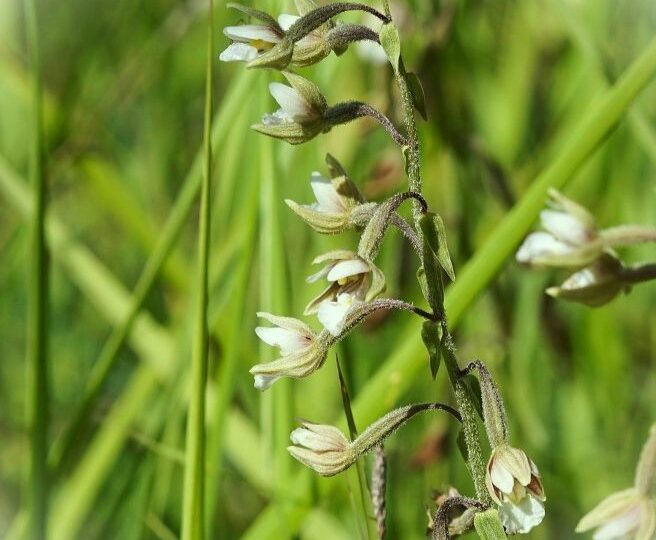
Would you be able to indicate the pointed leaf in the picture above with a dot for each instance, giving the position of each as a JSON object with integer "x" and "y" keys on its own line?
{"x": 391, "y": 43}
{"x": 417, "y": 92}
{"x": 431, "y": 334}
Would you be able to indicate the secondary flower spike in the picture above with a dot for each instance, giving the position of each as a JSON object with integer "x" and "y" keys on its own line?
{"x": 352, "y": 280}
{"x": 514, "y": 483}
{"x": 570, "y": 238}
{"x": 301, "y": 350}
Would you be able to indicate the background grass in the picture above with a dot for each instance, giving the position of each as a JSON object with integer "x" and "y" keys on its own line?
{"x": 507, "y": 84}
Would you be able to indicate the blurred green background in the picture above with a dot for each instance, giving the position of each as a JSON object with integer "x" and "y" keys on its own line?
{"x": 506, "y": 82}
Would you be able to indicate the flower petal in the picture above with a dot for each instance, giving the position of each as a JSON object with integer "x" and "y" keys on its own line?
{"x": 620, "y": 527}
{"x": 501, "y": 477}
{"x": 238, "y": 52}
{"x": 264, "y": 382}
{"x": 540, "y": 244}
{"x": 333, "y": 314}
{"x": 287, "y": 341}
{"x": 326, "y": 195}
{"x": 564, "y": 227}
{"x": 611, "y": 507}
{"x": 292, "y": 102}
{"x": 289, "y": 323}
{"x": 348, "y": 268}
{"x": 285, "y": 20}
{"x": 522, "y": 517}
{"x": 251, "y": 32}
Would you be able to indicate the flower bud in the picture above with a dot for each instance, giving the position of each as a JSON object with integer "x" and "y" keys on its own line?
{"x": 301, "y": 350}
{"x": 570, "y": 238}
{"x": 300, "y": 116}
{"x": 594, "y": 285}
{"x": 322, "y": 448}
{"x": 336, "y": 201}
{"x": 326, "y": 450}
{"x": 626, "y": 515}
{"x": 352, "y": 280}
{"x": 514, "y": 483}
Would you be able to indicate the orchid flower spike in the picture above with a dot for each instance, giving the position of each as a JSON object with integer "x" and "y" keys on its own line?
{"x": 570, "y": 238}
{"x": 629, "y": 514}
{"x": 352, "y": 279}
{"x": 514, "y": 483}
{"x": 300, "y": 116}
{"x": 301, "y": 351}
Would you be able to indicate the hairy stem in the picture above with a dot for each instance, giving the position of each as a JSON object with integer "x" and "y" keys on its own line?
{"x": 315, "y": 18}
{"x": 343, "y": 113}
{"x": 639, "y": 273}
{"x": 463, "y": 398}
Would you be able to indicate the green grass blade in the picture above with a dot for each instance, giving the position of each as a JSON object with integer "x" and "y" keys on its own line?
{"x": 193, "y": 497}
{"x": 37, "y": 325}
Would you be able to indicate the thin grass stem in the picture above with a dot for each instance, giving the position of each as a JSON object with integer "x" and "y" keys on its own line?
{"x": 37, "y": 324}
{"x": 193, "y": 497}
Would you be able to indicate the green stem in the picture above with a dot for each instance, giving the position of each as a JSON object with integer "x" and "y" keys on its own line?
{"x": 435, "y": 288}
{"x": 37, "y": 324}
{"x": 194, "y": 473}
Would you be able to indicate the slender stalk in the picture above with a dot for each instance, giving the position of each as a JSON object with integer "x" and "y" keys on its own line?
{"x": 193, "y": 498}
{"x": 37, "y": 325}
{"x": 639, "y": 273}
{"x": 463, "y": 398}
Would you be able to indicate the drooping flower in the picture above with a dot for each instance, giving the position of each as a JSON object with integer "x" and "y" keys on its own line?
{"x": 626, "y": 515}
{"x": 322, "y": 448}
{"x": 300, "y": 116}
{"x": 266, "y": 44}
{"x": 514, "y": 483}
{"x": 594, "y": 285}
{"x": 570, "y": 238}
{"x": 252, "y": 40}
{"x": 336, "y": 201}
{"x": 352, "y": 280}
{"x": 301, "y": 350}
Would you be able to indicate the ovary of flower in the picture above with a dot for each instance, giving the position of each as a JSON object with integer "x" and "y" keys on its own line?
{"x": 252, "y": 40}
{"x": 514, "y": 483}
{"x": 301, "y": 350}
{"x": 626, "y": 515}
{"x": 294, "y": 108}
